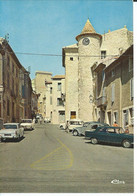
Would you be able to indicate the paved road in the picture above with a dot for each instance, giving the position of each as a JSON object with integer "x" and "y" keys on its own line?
{"x": 49, "y": 160}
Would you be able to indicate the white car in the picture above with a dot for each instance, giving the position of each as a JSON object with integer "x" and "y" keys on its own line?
{"x": 47, "y": 120}
{"x": 27, "y": 124}
{"x": 11, "y": 131}
{"x": 73, "y": 123}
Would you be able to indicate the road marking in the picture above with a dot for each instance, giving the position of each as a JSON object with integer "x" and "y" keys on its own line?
{"x": 59, "y": 159}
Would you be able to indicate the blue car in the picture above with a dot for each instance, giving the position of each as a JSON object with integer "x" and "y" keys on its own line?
{"x": 111, "y": 135}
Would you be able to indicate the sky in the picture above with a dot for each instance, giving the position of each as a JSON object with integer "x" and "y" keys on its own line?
{"x": 46, "y": 26}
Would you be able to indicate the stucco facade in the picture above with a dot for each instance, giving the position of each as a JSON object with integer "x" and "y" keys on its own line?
{"x": 15, "y": 86}
{"x": 41, "y": 79}
{"x": 78, "y": 60}
{"x": 58, "y": 109}
{"x": 114, "y": 92}
{"x": 51, "y": 91}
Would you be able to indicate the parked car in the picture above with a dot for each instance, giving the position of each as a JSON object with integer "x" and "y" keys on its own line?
{"x": 74, "y": 123}
{"x": 27, "y": 124}
{"x": 77, "y": 131}
{"x": 47, "y": 120}
{"x": 71, "y": 124}
{"x": 112, "y": 135}
{"x": 11, "y": 131}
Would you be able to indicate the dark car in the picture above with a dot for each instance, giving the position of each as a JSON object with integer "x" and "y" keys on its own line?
{"x": 78, "y": 131}
{"x": 112, "y": 135}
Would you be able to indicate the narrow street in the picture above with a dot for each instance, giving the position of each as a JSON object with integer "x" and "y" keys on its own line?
{"x": 49, "y": 160}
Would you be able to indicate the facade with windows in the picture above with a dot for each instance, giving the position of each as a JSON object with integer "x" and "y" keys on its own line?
{"x": 80, "y": 59}
{"x": 51, "y": 93}
{"x": 58, "y": 103}
{"x": 116, "y": 88}
{"x": 15, "y": 86}
{"x": 41, "y": 81}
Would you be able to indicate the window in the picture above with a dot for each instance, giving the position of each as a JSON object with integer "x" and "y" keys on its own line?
{"x": 8, "y": 107}
{"x": 8, "y": 82}
{"x": 0, "y": 110}
{"x": 50, "y": 90}
{"x": 130, "y": 63}
{"x": 125, "y": 118}
{"x": 115, "y": 119}
{"x": 50, "y": 100}
{"x": 72, "y": 115}
{"x": 59, "y": 86}
{"x": 94, "y": 126}
{"x": 8, "y": 61}
{"x": 12, "y": 67}
{"x": 103, "y": 54}
{"x": 113, "y": 73}
{"x": 103, "y": 75}
{"x": 113, "y": 93}
{"x": 16, "y": 89}
{"x": 109, "y": 120}
{"x": 102, "y": 130}
{"x": 131, "y": 89}
{"x": 13, "y": 85}
{"x": 71, "y": 58}
{"x": 16, "y": 72}
{"x": 110, "y": 130}
{"x": 131, "y": 116}
{"x": 59, "y": 102}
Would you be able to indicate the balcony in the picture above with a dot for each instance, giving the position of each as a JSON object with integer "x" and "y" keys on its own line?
{"x": 101, "y": 101}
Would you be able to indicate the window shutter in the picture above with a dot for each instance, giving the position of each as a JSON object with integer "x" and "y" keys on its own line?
{"x": 113, "y": 93}
{"x": 131, "y": 89}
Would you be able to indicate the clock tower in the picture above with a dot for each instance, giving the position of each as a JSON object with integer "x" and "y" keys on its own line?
{"x": 88, "y": 53}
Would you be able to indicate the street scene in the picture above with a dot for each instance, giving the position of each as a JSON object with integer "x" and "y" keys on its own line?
{"x": 67, "y": 96}
{"x": 50, "y": 160}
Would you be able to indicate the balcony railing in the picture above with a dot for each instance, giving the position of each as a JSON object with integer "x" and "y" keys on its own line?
{"x": 101, "y": 101}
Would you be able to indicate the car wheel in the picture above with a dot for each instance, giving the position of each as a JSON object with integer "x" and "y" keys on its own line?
{"x": 126, "y": 144}
{"x": 94, "y": 141}
{"x": 75, "y": 133}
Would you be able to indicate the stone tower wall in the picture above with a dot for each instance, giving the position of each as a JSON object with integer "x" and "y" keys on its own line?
{"x": 88, "y": 54}
{"x": 71, "y": 83}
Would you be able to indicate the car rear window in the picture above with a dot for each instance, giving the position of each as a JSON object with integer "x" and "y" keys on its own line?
{"x": 26, "y": 121}
{"x": 10, "y": 126}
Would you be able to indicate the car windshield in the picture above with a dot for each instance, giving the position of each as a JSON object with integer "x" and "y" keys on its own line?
{"x": 75, "y": 123}
{"x": 10, "y": 126}
{"x": 26, "y": 121}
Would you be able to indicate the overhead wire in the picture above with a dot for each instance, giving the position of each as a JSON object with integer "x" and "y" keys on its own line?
{"x": 61, "y": 55}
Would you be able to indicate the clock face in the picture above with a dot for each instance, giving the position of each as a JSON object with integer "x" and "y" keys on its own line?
{"x": 85, "y": 41}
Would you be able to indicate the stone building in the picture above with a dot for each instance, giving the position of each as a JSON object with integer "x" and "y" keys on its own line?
{"x": 58, "y": 104}
{"x": 15, "y": 86}
{"x": 51, "y": 91}
{"x": 114, "y": 89}
{"x": 49, "y": 102}
{"x": 40, "y": 83}
{"x": 78, "y": 60}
